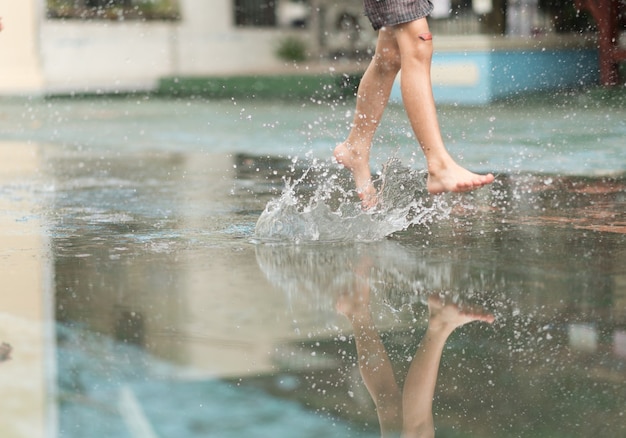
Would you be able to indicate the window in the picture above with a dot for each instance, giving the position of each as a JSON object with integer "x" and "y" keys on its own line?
{"x": 255, "y": 12}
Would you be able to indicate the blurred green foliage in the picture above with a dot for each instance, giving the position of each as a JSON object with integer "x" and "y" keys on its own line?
{"x": 292, "y": 49}
{"x": 113, "y": 9}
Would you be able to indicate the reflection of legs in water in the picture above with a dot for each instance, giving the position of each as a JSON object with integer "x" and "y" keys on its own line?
{"x": 419, "y": 386}
{"x": 410, "y": 411}
{"x": 374, "y": 363}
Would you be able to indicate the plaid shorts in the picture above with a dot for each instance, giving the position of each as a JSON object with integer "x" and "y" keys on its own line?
{"x": 391, "y": 12}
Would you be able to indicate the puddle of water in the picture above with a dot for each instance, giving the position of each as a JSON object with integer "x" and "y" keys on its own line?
{"x": 170, "y": 319}
{"x": 568, "y": 133}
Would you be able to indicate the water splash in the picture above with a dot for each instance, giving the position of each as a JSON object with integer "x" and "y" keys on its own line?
{"x": 319, "y": 207}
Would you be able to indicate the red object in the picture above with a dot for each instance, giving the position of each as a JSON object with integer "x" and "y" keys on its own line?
{"x": 606, "y": 13}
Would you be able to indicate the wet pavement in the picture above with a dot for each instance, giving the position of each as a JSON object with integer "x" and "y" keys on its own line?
{"x": 137, "y": 300}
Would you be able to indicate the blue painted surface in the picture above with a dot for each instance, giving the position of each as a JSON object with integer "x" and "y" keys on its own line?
{"x": 524, "y": 71}
{"x": 503, "y": 73}
{"x": 479, "y": 93}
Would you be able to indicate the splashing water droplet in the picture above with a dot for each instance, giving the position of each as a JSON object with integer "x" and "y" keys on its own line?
{"x": 332, "y": 212}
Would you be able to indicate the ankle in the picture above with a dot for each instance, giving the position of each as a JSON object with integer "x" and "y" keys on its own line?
{"x": 350, "y": 151}
{"x": 440, "y": 164}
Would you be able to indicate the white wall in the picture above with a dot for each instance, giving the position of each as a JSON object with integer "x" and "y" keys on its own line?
{"x": 209, "y": 43}
{"x": 51, "y": 56}
{"x": 97, "y": 56}
{"x": 233, "y": 51}
{"x": 19, "y": 47}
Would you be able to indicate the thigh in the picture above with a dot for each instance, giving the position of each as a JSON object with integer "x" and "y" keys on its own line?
{"x": 387, "y": 44}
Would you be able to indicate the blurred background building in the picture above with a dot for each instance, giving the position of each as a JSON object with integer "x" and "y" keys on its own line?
{"x": 61, "y": 46}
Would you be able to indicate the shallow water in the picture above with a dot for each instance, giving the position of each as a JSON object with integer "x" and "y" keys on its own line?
{"x": 138, "y": 301}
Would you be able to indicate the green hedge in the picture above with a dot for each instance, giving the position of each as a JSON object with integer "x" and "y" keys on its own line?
{"x": 286, "y": 87}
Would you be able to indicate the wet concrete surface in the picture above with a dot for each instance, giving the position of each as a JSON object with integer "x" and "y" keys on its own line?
{"x": 137, "y": 302}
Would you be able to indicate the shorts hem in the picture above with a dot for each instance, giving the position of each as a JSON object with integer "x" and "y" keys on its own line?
{"x": 386, "y": 13}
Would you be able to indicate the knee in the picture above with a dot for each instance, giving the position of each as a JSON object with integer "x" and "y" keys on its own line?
{"x": 387, "y": 61}
{"x": 420, "y": 52}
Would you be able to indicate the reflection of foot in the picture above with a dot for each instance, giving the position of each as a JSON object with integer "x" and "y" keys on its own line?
{"x": 5, "y": 352}
{"x": 354, "y": 303}
{"x": 357, "y": 162}
{"x": 455, "y": 178}
{"x": 354, "y": 300}
{"x": 450, "y": 316}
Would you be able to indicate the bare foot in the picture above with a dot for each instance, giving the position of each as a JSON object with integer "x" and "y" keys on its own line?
{"x": 357, "y": 162}
{"x": 455, "y": 178}
{"x": 449, "y": 316}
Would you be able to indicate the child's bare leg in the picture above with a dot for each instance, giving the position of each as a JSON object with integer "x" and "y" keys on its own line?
{"x": 374, "y": 364}
{"x": 419, "y": 386}
{"x": 444, "y": 174}
{"x": 372, "y": 97}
